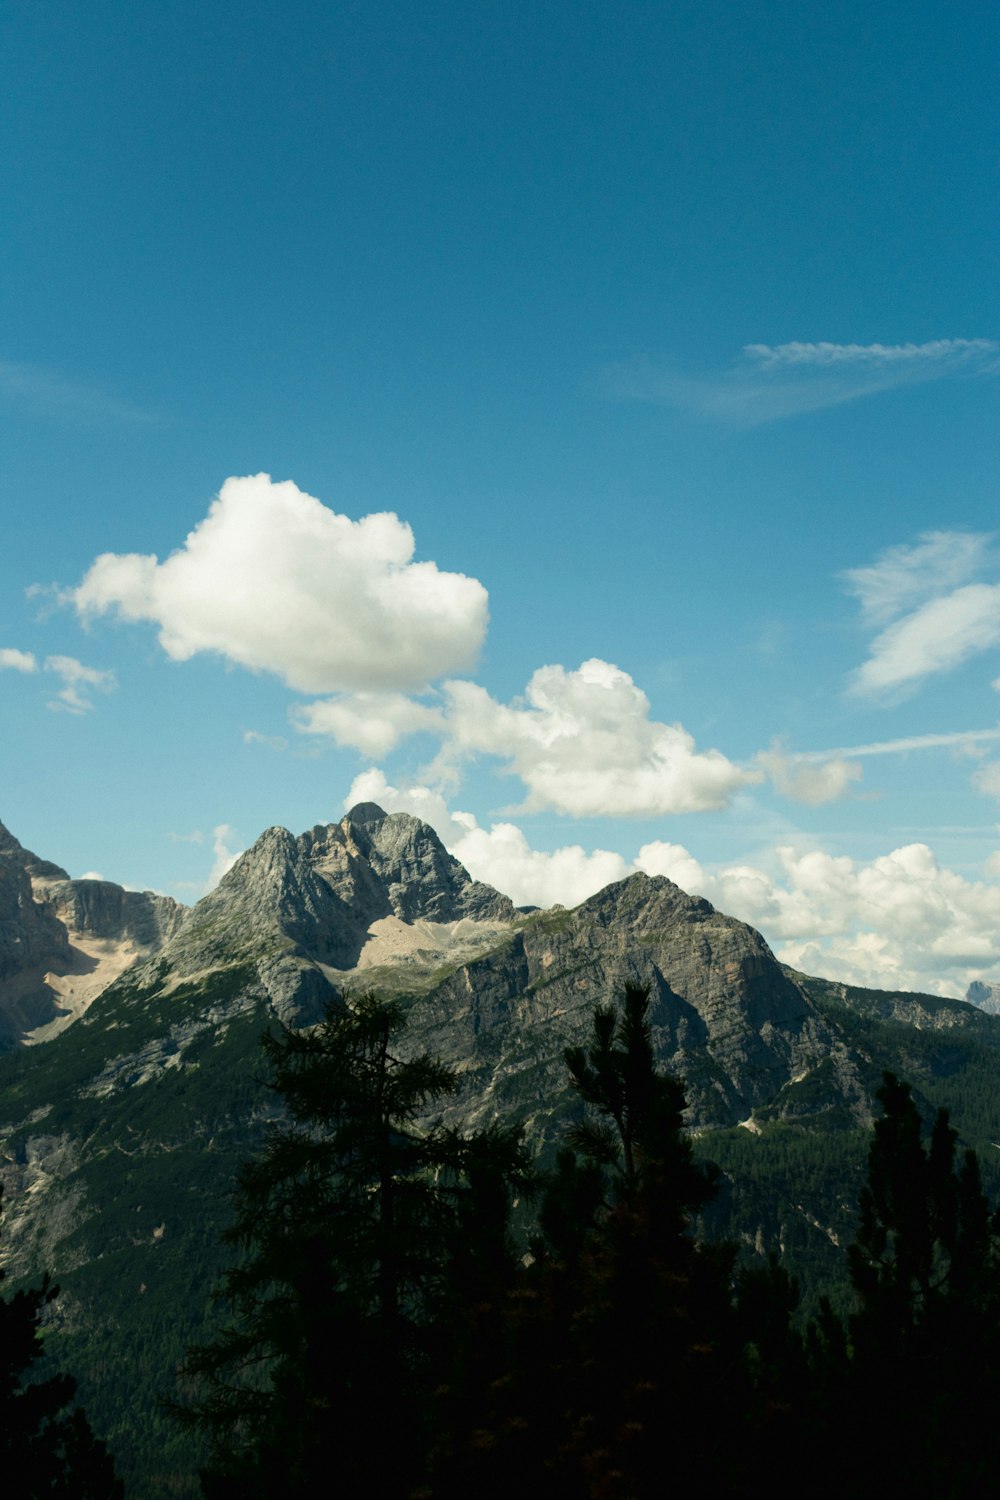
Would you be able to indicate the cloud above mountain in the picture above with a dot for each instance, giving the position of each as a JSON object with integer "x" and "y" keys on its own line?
{"x": 274, "y": 580}
{"x": 581, "y": 741}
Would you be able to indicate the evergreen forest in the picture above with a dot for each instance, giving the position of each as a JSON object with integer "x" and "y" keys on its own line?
{"x": 415, "y": 1312}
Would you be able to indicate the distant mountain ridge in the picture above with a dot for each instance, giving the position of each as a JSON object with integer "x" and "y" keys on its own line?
{"x": 986, "y": 996}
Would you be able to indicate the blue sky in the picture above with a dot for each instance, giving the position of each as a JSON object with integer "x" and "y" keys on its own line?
{"x": 667, "y": 334}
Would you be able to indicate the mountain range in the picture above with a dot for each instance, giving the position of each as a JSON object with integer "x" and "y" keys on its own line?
{"x": 130, "y": 1085}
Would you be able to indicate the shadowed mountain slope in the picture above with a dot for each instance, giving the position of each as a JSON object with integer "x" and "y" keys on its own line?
{"x": 121, "y": 1136}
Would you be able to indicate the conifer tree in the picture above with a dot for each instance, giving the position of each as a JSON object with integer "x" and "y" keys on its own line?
{"x": 920, "y": 1387}
{"x": 620, "y": 1334}
{"x": 45, "y": 1449}
{"x": 348, "y": 1227}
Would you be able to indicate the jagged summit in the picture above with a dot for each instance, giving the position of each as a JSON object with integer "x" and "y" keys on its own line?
{"x": 375, "y": 889}
{"x": 37, "y": 869}
{"x": 374, "y": 864}
{"x": 985, "y": 996}
{"x": 376, "y": 899}
{"x": 367, "y": 812}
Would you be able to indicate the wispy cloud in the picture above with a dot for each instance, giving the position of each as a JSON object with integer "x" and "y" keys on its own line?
{"x": 937, "y": 351}
{"x": 809, "y": 779}
{"x": 956, "y": 740}
{"x": 78, "y": 682}
{"x": 770, "y": 381}
{"x": 52, "y": 394}
{"x": 910, "y": 574}
{"x": 818, "y": 776}
{"x": 933, "y": 617}
{"x": 272, "y": 741}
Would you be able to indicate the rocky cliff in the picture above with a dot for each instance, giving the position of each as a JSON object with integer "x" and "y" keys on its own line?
{"x": 986, "y": 996}
{"x": 63, "y": 941}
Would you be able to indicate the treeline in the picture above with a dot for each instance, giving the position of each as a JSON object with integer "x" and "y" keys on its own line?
{"x": 388, "y": 1336}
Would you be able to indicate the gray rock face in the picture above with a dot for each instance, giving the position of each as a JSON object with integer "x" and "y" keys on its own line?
{"x": 61, "y": 937}
{"x": 421, "y": 879}
{"x": 30, "y": 935}
{"x": 986, "y": 996}
{"x": 725, "y": 1016}
{"x": 499, "y": 1000}
{"x": 316, "y": 897}
{"x": 38, "y": 869}
{"x": 105, "y": 910}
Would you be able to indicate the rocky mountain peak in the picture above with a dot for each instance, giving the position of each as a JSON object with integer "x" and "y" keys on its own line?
{"x": 318, "y": 898}
{"x": 985, "y": 996}
{"x": 420, "y": 877}
{"x": 367, "y": 812}
{"x": 37, "y": 869}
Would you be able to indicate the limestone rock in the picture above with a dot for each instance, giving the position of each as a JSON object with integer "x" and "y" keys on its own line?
{"x": 102, "y": 909}
{"x": 318, "y": 899}
{"x": 725, "y": 1016}
{"x": 29, "y": 935}
{"x": 986, "y": 996}
{"x": 63, "y": 941}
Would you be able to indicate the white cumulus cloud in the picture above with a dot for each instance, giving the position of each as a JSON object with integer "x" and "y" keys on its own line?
{"x": 373, "y": 723}
{"x": 899, "y": 921}
{"x": 274, "y": 580}
{"x": 582, "y": 742}
{"x": 565, "y": 876}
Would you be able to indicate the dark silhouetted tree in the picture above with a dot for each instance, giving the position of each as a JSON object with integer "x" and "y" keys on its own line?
{"x": 621, "y": 1353}
{"x": 914, "y": 1382}
{"x": 45, "y": 1449}
{"x": 355, "y": 1227}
